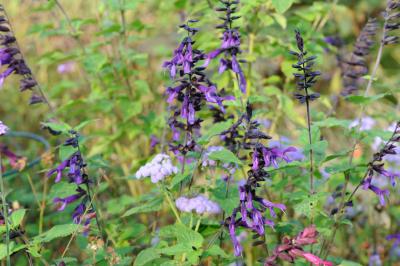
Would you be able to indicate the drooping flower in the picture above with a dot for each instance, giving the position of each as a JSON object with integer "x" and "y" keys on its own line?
{"x": 230, "y": 44}
{"x": 200, "y": 204}
{"x": 157, "y": 169}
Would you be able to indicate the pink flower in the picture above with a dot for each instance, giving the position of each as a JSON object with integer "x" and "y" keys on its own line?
{"x": 316, "y": 260}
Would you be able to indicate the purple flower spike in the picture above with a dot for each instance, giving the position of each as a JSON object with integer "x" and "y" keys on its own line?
{"x": 230, "y": 46}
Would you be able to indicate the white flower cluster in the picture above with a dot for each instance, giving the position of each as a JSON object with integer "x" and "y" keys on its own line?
{"x": 200, "y": 204}
{"x": 159, "y": 168}
{"x": 3, "y": 129}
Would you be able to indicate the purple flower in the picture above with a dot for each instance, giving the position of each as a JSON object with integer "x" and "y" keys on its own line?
{"x": 375, "y": 260}
{"x": 381, "y": 193}
{"x": 67, "y": 200}
{"x": 230, "y": 46}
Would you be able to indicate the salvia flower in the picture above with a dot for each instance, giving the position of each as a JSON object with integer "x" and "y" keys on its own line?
{"x": 307, "y": 77}
{"x": 3, "y": 129}
{"x": 74, "y": 169}
{"x": 200, "y": 204}
{"x": 292, "y": 248}
{"x": 377, "y": 166}
{"x": 396, "y": 244}
{"x": 12, "y": 58}
{"x": 158, "y": 169}
{"x": 230, "y": 44}
{"x": 251, "y": 212}
{"x": 355, "y": 66}
{"x": 392, "y": 22}
{"x": 190, "y": 93}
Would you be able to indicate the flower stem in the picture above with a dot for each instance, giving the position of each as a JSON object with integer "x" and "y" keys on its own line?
{"x": 171, "y": 204}
{"x": 326, "y": 245}
{"x": 5, "y": 212}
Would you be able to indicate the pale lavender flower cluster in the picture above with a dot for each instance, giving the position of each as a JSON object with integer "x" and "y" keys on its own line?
{"x": 158, "y": 169}
{"x": 3, "y": 128}
{"x": 365, "y": 123}
{"x": 200, "y": 204}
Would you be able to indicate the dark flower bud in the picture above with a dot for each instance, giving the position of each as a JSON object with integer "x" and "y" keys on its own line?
{"x": 35, "y": 99}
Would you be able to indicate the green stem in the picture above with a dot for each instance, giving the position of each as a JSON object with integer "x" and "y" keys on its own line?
{"x": 5, "y": 212}
{"x": 172, "y": 206}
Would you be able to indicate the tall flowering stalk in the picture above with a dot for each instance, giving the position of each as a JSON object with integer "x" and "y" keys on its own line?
{"x": 356, "y": 67}
{"x": 230, "y": 45}
{"x": 251, "y": 211}
{"x": 12, "y": 57}
{"x": 306, "y": 78}
{"x": 390, "y": 24}
{"x": 191, "y": 92}
{"x": 75, "y": 169}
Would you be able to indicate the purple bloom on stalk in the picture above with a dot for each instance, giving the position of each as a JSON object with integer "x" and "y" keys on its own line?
{"x": 192, "y": 91}
{"x": 230, "y": 45}
{"x": 70, "y": 199}
{"x": 12, "y": 59}
{"x": 375, "y": 260}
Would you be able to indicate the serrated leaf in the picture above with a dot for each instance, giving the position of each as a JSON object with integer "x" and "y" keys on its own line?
{"x": 183, "y": 234}
{"x": 147, "y": 255}
{"x": 225, "y": 156}
{"x": 282, "y": 5}
{"x": 151, "y": 206}
{"x": 17, "y": 217}
{"x": 177, "y": 179}
{"x": 57, "y": 231}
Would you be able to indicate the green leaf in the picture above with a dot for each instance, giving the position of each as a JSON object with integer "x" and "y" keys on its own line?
{"x": 57, "y": 231}
{"x": 177, "y": 179}
{"x": 152, "y": 206}
{"x": 333, "y": 122}
{"x": 282, "y": 5}
{"x": 63, "y": 127}
{"x": 183, "y": 234}
{"x": 225, "y": 156}
{"x": 17, "y": 217}
{"x": 215, "y": 251}
{"x": 147, "y": 255}
{"x": 215, "y": 130}
{"x": 13, "y": 248}
{"x": 349, "y": 263}
{"x": 364, "y": 100}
